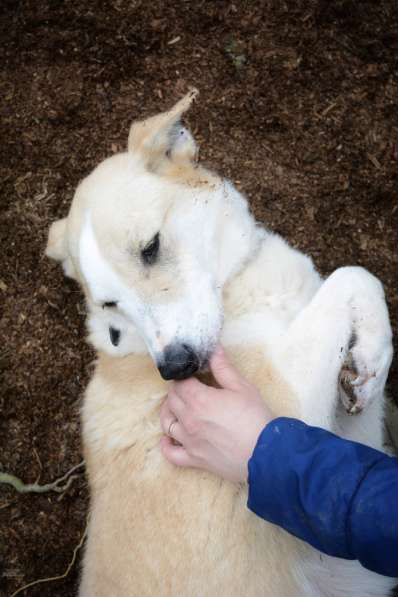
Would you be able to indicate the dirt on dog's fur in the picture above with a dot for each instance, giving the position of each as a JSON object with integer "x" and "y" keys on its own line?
{"x": 298, "y": 107}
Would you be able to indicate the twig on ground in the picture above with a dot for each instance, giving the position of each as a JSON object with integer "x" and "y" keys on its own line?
{"x": 60, "y": 576}
{"x": 59, "y": 485}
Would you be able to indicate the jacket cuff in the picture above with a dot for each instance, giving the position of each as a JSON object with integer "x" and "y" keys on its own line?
{"x": 303, "y": 479}
{"x": 372, "y": 527}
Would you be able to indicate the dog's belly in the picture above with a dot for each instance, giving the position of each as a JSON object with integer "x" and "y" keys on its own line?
{"x": 157, "y": 530}
{"x": 168, "y": 532}
{"x": 160, "y": 530}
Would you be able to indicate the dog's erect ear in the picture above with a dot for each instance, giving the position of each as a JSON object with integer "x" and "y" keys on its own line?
{"x": 162, "y": 139}
{"x": 57, "y": 246}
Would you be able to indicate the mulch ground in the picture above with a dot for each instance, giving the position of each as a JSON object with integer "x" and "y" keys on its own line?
{"x": 298, "y": 106}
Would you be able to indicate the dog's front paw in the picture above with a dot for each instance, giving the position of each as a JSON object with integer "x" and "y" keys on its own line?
{"x": 364, "y": 372}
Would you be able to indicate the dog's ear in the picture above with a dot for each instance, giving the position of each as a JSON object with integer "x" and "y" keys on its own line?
{"x": 56, "y": 243}
{"x": 57, "y": 247}
{"x": 162, "y": 140}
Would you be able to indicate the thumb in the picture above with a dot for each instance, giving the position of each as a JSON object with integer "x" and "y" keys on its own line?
{"x": 223, "y": 371}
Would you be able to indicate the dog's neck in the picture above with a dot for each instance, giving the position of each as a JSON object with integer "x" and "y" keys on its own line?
{"x": 242, "y": 284}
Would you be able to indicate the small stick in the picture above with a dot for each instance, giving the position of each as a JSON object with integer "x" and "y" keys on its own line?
{"x": 56, "y": 485}
{"x": 60, "y": 576}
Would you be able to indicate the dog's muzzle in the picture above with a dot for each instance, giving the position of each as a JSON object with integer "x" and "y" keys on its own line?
{"x": 178, "y": 361}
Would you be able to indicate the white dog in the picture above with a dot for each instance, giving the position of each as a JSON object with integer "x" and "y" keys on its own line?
{"x": 171, "y": 261}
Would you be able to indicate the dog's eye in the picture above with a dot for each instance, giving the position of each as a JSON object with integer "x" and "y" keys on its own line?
{"x": 150, "y": 253}
{"x": 109, "y": 304}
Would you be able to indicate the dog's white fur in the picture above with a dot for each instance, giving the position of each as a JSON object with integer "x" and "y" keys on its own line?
{"x": 155, "y": 529}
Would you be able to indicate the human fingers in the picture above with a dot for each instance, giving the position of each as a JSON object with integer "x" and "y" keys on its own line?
{"x": 170, "y": 424}
{"x": 167, "y": 418}
{"x": 226, "y": 375}
{"x": 189, "y": 390}
{"x": 175, "y": 404}
{"x": 175, "y": 454}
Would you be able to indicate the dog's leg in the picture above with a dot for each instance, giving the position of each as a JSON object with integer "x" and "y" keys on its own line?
{"x": 345, "y": 324}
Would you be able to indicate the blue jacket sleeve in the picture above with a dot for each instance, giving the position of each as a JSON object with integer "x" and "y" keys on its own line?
{"x": 337, "y": 495}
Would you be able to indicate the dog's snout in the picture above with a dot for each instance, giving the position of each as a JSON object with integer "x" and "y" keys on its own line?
{"x": 179, "y": 361}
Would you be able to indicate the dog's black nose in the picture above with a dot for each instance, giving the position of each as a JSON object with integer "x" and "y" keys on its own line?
{"x": 179, "y": 361}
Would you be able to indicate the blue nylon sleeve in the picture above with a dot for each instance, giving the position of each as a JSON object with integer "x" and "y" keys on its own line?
{"x": 373, "y": 519}
{"x": 339, "y": 496}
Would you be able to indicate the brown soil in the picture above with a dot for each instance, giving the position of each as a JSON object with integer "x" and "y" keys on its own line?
{"x": 298, "y": 107}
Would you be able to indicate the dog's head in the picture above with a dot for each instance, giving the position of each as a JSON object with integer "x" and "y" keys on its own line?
{"x": 152, "y": 238}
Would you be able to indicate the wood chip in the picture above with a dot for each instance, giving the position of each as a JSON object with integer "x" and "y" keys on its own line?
{"x": 174, "y": 40}
{"x": 374, "y": 161}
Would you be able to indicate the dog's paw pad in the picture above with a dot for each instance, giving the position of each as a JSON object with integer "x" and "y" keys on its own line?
{"x": 348, "y": 396}
{"x": 361, "y": 381}
{"x": 354, "y": 386}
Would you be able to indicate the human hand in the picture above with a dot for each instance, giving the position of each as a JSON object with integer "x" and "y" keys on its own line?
{"x": 216, "y": 429}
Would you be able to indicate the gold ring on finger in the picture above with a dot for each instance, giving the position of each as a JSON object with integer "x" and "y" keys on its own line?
{"x": 170, "y": 431}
